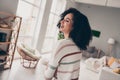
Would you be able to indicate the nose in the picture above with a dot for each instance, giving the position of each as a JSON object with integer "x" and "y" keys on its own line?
{"x": 61, "y": 21}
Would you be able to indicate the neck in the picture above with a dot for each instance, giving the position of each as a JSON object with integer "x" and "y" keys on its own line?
{"x": 66, "y": 36}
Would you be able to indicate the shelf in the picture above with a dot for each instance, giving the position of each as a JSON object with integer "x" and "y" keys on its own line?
{"x": 3, "y": 57}
{"x": 1, "y": 28}
{"x": 2, "y": 63}
{"x": 6, "y": 66}
{"x": 10, "y": 25}
{"x": 5, "y": 43}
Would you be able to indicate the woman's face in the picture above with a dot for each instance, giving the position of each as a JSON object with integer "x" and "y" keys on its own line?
{"x": 66, "y": 24}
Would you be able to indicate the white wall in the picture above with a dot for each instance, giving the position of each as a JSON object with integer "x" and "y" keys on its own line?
{"x": 104, "y": 19}
{"x": 9, "y": 6}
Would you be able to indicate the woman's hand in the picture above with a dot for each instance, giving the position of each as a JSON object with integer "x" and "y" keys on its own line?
{"x": 45, "y": 61}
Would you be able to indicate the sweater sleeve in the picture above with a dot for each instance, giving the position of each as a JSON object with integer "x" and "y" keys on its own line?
{"x": 54, "y": 61}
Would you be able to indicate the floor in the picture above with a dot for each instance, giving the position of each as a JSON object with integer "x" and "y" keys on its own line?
{"x": 4, "y": 74}
{"x": 18, "y": 72}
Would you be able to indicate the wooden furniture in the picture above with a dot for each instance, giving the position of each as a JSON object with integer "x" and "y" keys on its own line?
{"x": 9, "y": 25}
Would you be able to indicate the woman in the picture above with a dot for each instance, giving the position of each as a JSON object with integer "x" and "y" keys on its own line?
{"x": 65, "y": 60}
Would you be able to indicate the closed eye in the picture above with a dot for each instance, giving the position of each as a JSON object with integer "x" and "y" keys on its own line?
{"x": 66, "y": 20}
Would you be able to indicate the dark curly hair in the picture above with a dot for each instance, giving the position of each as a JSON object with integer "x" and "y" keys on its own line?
{"x": 81, "y": 33}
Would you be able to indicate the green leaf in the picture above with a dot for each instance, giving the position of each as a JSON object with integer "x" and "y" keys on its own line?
{"x": 60, "y": 36}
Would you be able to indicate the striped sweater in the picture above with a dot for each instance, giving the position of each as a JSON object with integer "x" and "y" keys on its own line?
{"x": 65, "y": 61}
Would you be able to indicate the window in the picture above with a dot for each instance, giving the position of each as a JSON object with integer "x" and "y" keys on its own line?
{"x": 52, "y": 30}
{"x": 51, "y": 33}
{"x": 28, "y": 10}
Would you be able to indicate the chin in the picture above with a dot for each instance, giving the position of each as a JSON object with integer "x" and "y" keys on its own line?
{"x": 61, "y": 30}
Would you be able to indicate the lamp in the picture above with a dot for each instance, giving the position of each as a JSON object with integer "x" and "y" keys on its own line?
{"x": 111, "y": 42}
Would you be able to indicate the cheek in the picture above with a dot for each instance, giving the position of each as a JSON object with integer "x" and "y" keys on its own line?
{"x": 70, "y": 26}
{"x": 66, "y": 28}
